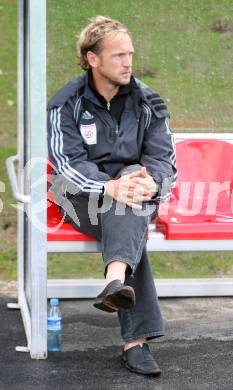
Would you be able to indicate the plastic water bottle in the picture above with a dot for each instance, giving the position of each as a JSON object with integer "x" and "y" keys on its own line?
{"x": 54, "y": 326}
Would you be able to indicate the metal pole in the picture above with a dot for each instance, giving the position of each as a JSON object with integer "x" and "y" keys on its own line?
{"x": 37, "y": 152}
{"x": 32, "y": 235}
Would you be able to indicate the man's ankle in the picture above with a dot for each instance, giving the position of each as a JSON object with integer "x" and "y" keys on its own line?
{"x": 132, "y": 344}
{"x": 116, "y": 270}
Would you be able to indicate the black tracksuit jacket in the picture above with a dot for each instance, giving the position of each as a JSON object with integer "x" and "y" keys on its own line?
{"x": 87, "y": 146}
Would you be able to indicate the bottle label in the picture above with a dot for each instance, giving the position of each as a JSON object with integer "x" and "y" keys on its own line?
{"x": 54, "y": 324}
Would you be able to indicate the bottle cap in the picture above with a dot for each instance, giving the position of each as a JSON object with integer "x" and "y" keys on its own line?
{"x": 54, "y": 302}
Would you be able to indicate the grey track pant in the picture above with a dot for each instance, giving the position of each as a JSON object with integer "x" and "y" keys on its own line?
{"x": 122, "y": 233}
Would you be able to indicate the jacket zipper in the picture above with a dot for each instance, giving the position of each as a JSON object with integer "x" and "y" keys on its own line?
{"x": 117, "y": 127}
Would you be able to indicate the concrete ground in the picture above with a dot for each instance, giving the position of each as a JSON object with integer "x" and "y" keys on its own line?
{"x": 196, "y": 354}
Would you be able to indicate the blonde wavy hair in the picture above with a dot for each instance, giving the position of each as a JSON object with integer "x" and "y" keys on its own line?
{"x": 91, "y": 37}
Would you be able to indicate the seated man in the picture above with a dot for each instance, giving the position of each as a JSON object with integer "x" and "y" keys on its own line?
{"x": 113, "y": 162}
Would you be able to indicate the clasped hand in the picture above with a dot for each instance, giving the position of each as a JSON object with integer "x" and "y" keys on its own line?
{"x": 132, "y": 189}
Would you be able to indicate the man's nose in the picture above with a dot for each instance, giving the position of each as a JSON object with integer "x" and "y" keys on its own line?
{"x": 128, "y": 61}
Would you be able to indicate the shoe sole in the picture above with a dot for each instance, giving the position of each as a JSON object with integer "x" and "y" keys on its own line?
{"x": 121, "y": 299}
{"x": 154, "y": 373}
{"x": 124, "y": 298}
{"x": 102, "y": 306}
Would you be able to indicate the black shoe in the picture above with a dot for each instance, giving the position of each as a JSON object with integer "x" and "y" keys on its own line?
{"x": 139, "y": 359}
{"x": 115, "y": 296}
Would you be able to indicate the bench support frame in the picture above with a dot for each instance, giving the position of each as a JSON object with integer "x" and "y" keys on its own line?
{"x": 31, "y": 241}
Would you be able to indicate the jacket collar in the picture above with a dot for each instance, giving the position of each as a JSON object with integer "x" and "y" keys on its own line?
{"x": 86, "y": 89}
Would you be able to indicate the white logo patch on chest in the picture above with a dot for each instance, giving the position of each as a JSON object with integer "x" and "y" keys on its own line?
{"x": 89, "y": 133}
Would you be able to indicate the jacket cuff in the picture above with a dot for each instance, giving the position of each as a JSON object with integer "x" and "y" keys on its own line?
{"x": 163, "y": 190}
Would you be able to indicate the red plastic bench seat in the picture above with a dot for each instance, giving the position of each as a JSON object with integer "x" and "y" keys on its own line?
{"x": 198, "y": 161}
{"x": 205, "y": 162}
{"x": 196, "y": 228}
{"x": 57, "y": 230}
{"x": 66, "y": 233}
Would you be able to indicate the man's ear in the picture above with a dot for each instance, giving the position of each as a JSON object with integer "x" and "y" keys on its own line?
{"x": 92, "y": 59}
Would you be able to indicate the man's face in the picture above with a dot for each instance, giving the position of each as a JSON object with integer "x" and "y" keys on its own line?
{"x": 114, "y": 62}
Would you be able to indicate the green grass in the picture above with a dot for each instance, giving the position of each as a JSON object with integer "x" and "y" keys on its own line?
{"x": 192, "y": 65}
{"x": 8, "y": 264}
{"x": 192, "y": 264}
{"x": 164, "y": 265}
{"x": 192, "y": 70}
{"x": 8, "y": 72}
